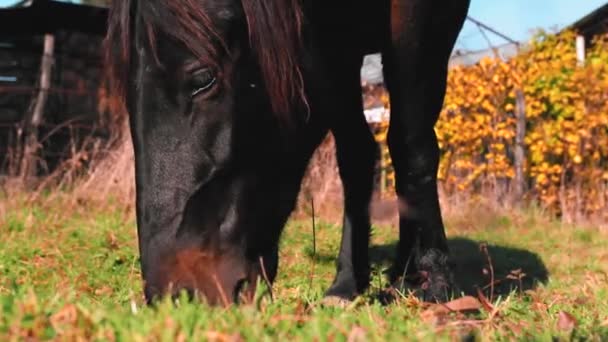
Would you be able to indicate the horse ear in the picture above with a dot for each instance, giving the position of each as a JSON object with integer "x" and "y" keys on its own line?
{"x": 274, "y": 28}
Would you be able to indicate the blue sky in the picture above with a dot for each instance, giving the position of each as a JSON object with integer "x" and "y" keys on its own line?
{"x": 515, "y": 18}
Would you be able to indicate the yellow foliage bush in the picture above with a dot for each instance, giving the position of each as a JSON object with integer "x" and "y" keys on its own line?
{"x": 566, "y": 110}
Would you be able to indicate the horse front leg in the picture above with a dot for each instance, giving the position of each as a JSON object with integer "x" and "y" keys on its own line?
{"x": 423, "y": 34}
{"x": 356, "y": 152}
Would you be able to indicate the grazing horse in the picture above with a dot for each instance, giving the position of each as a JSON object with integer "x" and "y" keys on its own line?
{"x": 228, "y": 100}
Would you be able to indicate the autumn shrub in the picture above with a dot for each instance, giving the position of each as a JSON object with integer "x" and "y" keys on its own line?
{"x": 566, "y": 126}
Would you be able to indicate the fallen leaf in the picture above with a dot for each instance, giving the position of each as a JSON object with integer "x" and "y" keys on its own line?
{"x": 66, "y": 316}
{"x": 484, "y": 301}
{"x": 436, "y": 314}
{"x": 357, "y": 334}
{"x": 29, "y": 221}
{"x": 112, "y": 241}
{"x": 335, "y": 302}
{"x": 104, "y": 291}
{"x": 581, "y": 301}
{"x": 220, "y": 337}
{"x": 467, "y": 303}
{"x": 434, "y": 317}
{"x": 541, "y": 307}
{"x": 516, "y": 328}
{"x": 301, "y": 309}
{"x": 566, "y": 321}
{"x": 181, "y": 337}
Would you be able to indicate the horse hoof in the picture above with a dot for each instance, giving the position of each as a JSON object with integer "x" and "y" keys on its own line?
{"x": 335, "y": 302}
{"x": 433, "y": 287}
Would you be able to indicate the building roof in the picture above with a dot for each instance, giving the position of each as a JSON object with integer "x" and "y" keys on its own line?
{"x": 47, "y": 16}
{"x": 593, "y": 23}
{"x": 505, "y": 51}
{"x": 371, "y": 72}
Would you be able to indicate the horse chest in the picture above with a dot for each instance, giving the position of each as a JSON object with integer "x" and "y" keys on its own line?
{"x": 361, "y": 25}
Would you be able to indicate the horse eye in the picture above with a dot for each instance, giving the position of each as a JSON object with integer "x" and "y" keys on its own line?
{"x": 202, "y": 80}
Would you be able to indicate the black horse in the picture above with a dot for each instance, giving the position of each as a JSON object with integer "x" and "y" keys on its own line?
{"x": 228, "y": 99}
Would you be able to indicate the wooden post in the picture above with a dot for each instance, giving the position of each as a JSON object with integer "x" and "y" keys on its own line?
{"x": 33, "y": 121}
{"x": 382, "y": 176}
{"x": 520, "y": 118}
{"x": 580, "y": 50}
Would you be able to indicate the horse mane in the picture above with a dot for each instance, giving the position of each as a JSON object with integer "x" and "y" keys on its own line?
{"x": 274, "y": 28}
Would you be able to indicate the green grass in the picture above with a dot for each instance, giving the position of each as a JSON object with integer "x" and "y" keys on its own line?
{"x": 69, "y": 273}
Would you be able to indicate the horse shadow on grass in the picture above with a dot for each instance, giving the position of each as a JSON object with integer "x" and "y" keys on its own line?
{"x": 478, "y": 266}
{"x": 512, "y": 269}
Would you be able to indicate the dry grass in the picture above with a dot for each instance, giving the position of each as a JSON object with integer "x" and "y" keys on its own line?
{"x": 111, "y": 176}
{"x": 99, "y": 171}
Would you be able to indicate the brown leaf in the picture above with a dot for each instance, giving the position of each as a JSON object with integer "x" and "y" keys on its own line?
{"x": 357, "y": 334}
{"x": 221, "y": 337}
{"x": 112, "y": 241}
{"x": 66, "y": 316}
{"x": 484, "y": 301}
{"x": 436, "y": 314}
{"x": 29, "y": 221}
{"x": 581, "y": 301}
{"x": 181, "y": 337}
{"x": 104, "y": 291}
{"x": 467, "y": 303}
{"x": 434, "y": 317}
{"x": 566, "y": 321}
{"x": 541, "y": 307}
{"x": 301, "y": 309}
{"x": 516, "y": 327}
